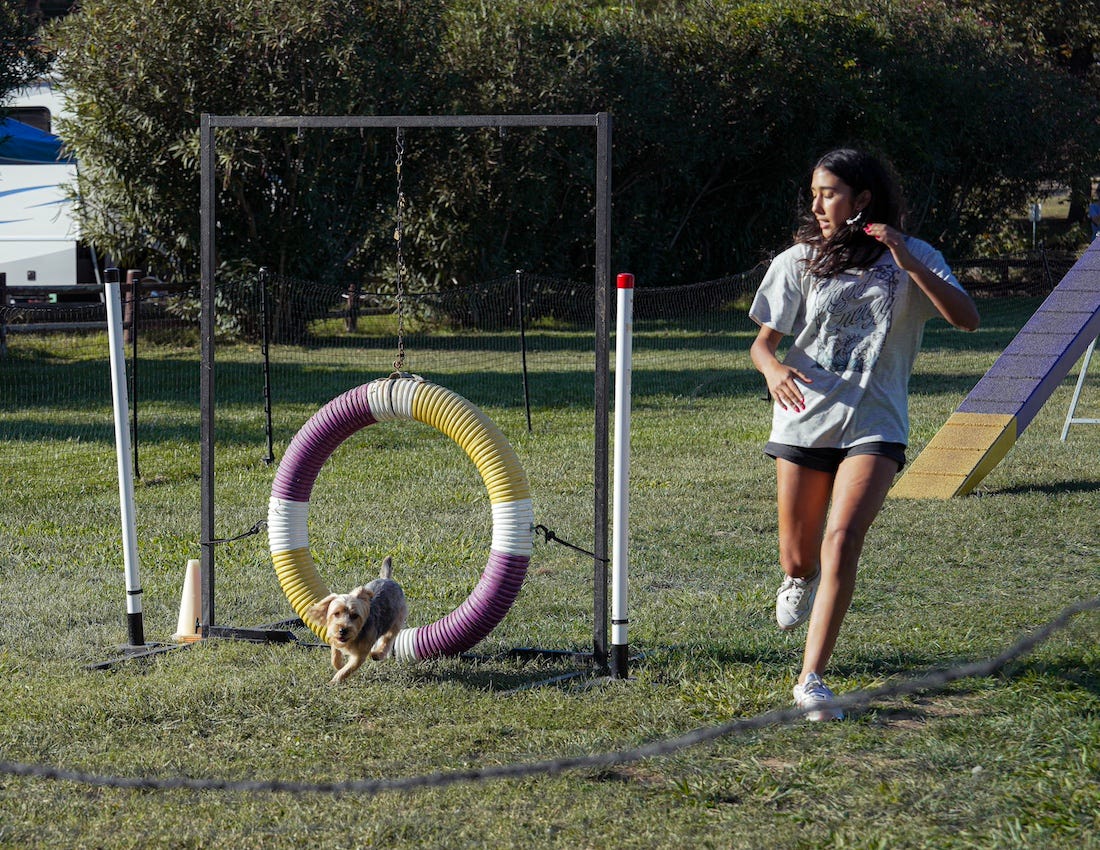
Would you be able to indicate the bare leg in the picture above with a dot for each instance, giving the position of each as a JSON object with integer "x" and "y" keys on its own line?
{"x": 803, "y": 502}
{"x": 859, "y": 490}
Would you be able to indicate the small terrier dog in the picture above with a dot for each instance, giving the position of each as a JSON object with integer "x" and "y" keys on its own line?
{"x": 364, "y": 621}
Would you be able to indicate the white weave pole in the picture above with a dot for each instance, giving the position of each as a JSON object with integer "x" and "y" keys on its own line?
{"x": 624, "y": 329}
{"x": 113, "y": 295}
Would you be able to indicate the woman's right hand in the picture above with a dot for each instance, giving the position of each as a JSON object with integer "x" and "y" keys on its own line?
{"x": 783, "y": 386}
{"x": 783, "y": 380}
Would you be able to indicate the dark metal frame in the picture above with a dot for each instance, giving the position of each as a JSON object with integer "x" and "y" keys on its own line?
{"x": 601, "y": 122}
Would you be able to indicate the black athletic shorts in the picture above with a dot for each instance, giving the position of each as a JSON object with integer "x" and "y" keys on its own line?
{"x": 827, "y": 460}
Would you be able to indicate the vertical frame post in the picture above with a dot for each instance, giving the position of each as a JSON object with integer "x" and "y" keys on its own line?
{"x": 206, "y": 376}
{"x": 3, "y": 314}
{"x": 602, "y": 389}
{"x": 521, "y": 317}
{"x": 130, "y": 334}
{"x": 265, "y": 349}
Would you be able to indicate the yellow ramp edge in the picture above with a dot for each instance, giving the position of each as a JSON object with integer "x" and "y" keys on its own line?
{"x": 961, "y": 454}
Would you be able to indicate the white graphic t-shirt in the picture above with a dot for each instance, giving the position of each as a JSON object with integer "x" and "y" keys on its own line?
{"x": 856, "y": 336}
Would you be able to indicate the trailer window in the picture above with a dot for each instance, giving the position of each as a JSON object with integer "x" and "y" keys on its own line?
{"x": 37, "y": 116}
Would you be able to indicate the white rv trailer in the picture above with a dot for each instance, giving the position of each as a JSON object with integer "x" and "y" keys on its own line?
{"x": 39, "y": 234}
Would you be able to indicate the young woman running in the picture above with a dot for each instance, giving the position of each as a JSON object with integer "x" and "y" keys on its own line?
{"x": 853, "y": 293}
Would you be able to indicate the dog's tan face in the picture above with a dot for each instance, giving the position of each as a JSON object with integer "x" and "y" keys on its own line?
{"x": 346, "y": 614}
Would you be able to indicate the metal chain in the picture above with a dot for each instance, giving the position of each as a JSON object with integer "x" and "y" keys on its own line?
{"x": 399, "y": 238}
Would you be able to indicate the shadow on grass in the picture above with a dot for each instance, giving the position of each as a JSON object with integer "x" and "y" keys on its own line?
{"x": 1091, "y": 486}
{"x": 174, "y": 382}
{"x": 893, "y": 665}
{"x": 991, "y": 338}
{"x": 520, "y": 668}
{"x": 917, "y": 711}
{"x": 501, "y": 674}
{"x": 1075, "y": 672}
{"x": 1072, "y": 670}
{"x": 959, "y": 384}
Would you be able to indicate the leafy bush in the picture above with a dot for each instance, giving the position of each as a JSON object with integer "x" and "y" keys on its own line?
{"x": 22, "y": 59}
{"x": 719, "y": 111}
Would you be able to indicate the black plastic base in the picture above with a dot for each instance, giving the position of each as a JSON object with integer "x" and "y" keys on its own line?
{"x": 620, "y": 661}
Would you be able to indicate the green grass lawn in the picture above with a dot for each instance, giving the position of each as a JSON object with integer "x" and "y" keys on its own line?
{"x": 1007, "y": 761}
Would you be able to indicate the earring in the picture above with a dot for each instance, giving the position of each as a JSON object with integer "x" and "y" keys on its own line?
{"x": 854, "y": 219}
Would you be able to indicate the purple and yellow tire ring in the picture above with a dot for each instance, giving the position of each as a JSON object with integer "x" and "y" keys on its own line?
{"x": 407, "y": 398}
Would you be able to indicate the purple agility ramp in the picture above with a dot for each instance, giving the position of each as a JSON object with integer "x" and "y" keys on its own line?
{"x": 1005, "y": 401}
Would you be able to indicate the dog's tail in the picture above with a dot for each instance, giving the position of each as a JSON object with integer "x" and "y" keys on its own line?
{"x": 387, "y": 568}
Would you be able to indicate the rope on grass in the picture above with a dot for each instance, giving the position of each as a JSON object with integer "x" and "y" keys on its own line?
{"x": 933, "y": 681}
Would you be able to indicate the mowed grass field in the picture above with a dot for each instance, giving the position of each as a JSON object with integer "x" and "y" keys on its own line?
{"x": 1005, "y": 761}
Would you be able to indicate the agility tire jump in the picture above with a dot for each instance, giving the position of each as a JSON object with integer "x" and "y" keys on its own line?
{"x": 404, "y": 397}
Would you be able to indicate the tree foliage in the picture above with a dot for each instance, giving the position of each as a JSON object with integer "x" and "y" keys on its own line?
{"x": 22, "y": 57}
{"x": 719, "y": 111}
{"x": 140, "y": 76}
{"x": 1065, "y": 36}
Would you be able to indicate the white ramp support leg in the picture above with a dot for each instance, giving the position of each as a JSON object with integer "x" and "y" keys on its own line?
{"x": 1071, "y": 417}
{"x": 620, "y": 648}
{"x": 122, "y": 451}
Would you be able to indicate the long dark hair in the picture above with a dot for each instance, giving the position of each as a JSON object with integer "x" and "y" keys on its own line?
{"x": 849, "y": 247}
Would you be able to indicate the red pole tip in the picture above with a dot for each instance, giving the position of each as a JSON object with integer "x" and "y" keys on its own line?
{"x": 626, "y": 281}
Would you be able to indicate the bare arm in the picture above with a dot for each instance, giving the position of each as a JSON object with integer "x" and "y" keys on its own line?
{"x": 955, "y": 305}
{"x": 781, "y": 378}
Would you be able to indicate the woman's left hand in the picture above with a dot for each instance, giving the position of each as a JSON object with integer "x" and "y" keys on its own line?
{"x": 893, "y": 239}
{"x": 952, "y": 302}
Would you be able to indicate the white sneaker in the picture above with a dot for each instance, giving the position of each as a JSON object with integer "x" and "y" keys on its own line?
{"x": 814, "y": 694}
{"x": 795, "y": 600}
